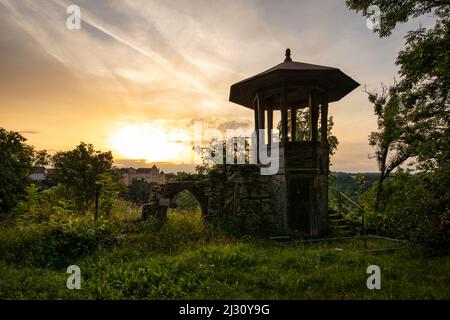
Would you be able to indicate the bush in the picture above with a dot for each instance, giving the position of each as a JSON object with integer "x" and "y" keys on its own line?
{"x": 55, "y": 245}
{"x": 415, "y": 208}
{"x": 184, "y": 228}
{"x": 186, "y": 201}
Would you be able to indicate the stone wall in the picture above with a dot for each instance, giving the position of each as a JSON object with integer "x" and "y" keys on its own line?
{"x": 242, "y": 201}
{"x": 241, "y": 194}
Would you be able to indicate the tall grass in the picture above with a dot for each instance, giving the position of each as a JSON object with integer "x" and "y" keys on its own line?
{"x": 188, "y": 259}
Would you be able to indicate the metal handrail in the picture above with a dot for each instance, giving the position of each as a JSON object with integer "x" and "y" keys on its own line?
{"x": 360, "y": 209}
{"x": 351, "y": 201}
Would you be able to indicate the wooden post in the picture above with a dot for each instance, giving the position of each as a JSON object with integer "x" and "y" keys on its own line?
{"x": 324, "y": 119}
{"x": 256, "y": 109}
{"x": 261, "y": 113}
{"x": 284, "y": 117}
{"x": 269, "y": 125}
{"x": 313, "y": 111}
{"x": 293, "y": 123}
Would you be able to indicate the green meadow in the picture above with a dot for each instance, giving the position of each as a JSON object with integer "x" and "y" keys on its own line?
{"x": 188, "y": 259}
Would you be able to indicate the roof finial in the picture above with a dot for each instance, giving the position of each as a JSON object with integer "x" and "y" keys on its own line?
{"x": 288, "y": 55}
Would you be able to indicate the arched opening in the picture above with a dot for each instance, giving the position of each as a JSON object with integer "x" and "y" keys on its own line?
{"x": 190, "y": 196}
{"x": 185, "y": 201}
{"x": 184, "y": 215}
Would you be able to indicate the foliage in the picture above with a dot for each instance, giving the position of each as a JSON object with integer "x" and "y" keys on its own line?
{"x": 226, "y": 270}
{"x": 392, "y": 141}
{"x": 49, "y": 232}
{"x": 414, "y": 118}
{"x": 394, "y": 12}
{"x": 41, "y": 158}
{"x": 421, "y": 98}
{"x": 417, "y": 209}
{"x": 186, "y": 200}
{"x": 138, "y": 192}
{"x": 56, "y": 243}
{"x": 347, "y": 183}
{"x": 183, "y": 229}
{"x": 187, "y": 176}
{"x": 303, "y": 133}
{"x": 79, "y": 169}
{"x": 109, "y": 190}
{"x": 15, "y": 165}
{"x": 424, "y": 86}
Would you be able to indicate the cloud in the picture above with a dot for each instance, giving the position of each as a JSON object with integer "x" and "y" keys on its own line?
{"x": 29, "y": 132}
{"x": 174, "y": 60}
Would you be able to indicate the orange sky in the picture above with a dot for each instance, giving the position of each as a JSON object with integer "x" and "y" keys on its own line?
{"x": 139, "y": 73}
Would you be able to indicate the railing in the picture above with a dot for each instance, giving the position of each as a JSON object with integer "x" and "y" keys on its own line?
{"x": 351, "y": 207}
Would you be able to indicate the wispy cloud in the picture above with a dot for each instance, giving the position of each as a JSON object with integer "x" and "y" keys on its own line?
{"x": 139, "y": 61}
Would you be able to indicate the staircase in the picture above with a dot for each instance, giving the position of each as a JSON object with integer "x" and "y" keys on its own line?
{"x": 348, "y": 208}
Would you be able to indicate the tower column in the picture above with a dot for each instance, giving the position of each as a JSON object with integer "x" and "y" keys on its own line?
{"x": 261, "y": 116}
{"x": 314, "y": 115}
{"x": 284, "y": 116}
{"x": 324, "y": 118}
{"x": 269, "y": 124}
{"x": 256, "y": 113}
{"x": 293, "y": 123}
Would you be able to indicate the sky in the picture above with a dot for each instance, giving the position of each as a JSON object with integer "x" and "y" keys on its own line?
{"x": 139, "y": 73}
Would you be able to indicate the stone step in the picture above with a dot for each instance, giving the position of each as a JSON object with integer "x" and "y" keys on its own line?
{"x": 340, "y": 227}
{"x": 338, "y": 221}
{"x": 280, "y": 238}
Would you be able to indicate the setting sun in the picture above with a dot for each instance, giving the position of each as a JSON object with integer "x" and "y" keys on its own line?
{"x": 152, "y": 142}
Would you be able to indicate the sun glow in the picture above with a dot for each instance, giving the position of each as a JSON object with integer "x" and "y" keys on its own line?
{"x": 153, "y": 142}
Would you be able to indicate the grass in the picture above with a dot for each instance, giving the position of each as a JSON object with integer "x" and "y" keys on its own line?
{"x": 186, "y": 259}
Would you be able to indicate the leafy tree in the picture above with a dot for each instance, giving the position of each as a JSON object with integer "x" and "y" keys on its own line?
{"x": 186, "y": 201}
{"x": 394, "y": 12}
{"x": 186, "y": 176}
{"x": 109, "y": 190}
{"x": 16, "y": 159}
{"x": 138, "y": 191}
{"x": 392, "y": 139}
{"x": 415, "y": 118}
{"x": 304, "y": 129}
{"x": 416, "y": 208}
{"x": 424, "y": 91}
{"x": 216, "y": 154}
{"x": 41, "y": 158}
{"x": 79, "y": 169}
{"x": 422, "y": 94}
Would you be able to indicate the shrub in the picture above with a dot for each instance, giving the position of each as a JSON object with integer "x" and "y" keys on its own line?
{"x": 415, "y": 208}
{"x": 56, "y": 243}
{"x": 183, "y": 228}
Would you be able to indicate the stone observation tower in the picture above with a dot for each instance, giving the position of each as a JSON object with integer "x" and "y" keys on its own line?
{"x": 300, "y": 188}
{"x": 293, "y": 198}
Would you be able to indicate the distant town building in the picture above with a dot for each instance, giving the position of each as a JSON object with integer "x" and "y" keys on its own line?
{"x": 152, "y": 175}
{"x": 38, "y": 174}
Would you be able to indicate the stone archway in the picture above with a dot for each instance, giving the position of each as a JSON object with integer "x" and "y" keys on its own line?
{"x": 196, "y": 188}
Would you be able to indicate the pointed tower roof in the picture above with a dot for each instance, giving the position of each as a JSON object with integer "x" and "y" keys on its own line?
{"x": 297, "y": 78}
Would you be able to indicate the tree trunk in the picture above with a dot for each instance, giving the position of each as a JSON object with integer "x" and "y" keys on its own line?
{"x": 378, "y": 193}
